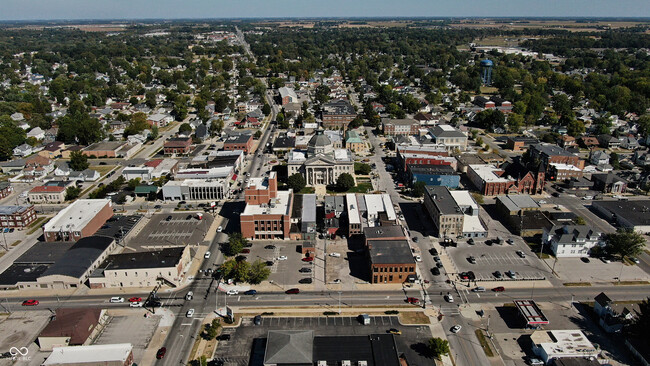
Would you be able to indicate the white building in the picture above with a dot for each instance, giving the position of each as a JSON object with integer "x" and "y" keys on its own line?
{"x": 554, "y": 344}
{"x": 196, "y": 190}
{"x": 209, "y": 173}
{"x": 472, "y": 226}
{"x": 571, "y": 240}
{"x": 321, "y": 163}
{"x": 107, "y": 355}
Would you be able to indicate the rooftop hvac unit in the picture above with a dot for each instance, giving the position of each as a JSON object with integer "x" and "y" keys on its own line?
{"x": 322, "y": 363}
{"x": 346, "y": 363}
{"x": 363, "y": 363}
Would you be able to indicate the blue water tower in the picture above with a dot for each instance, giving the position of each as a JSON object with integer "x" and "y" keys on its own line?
{"x": 486, "y": 71}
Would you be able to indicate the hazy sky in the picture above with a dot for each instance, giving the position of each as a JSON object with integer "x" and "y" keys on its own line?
{"x": 139, "y": 9}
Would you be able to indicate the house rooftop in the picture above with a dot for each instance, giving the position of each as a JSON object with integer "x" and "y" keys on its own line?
{"x": 390, "y": 252}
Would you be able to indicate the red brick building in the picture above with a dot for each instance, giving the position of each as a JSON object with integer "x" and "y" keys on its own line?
{"x": 552, "y": 154}
{"x": 178, "y": 146}
{"x": 395, "y": 127}
{"x": 490, "y": 180}
{"x": 239, "y": 142}
{"x": 338, "y": 113}
{"x": 5, "y": 189}
{"x": 17, "y": 217}
{"x": 80, "y": 219}
{"x": 268, "y": 211}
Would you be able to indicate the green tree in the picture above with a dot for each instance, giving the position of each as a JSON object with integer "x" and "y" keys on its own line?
{"x": 133, "y": 183}
{"x": 625, "y": 242}
{"x": 257, "y": 134}
{"x": 236, "y": 243}
{"x": 238, "y": 270}
{"x": 490, "y": 119}
{"x": 137, "y": 124}
{"x": 185, "y": 129}
{"x": 6, "y": 152}
{"x": 78, "y": 161}
{"x": 575, "y": 128}
{"x": 216, "y": 126}
{"x": 296, "y": 182}
{"x": 266, "y": 109}
{"x": 356, "y": 122}
{"x": 362, "y": 168}
{"x": 344, "y": 182}
{"x": 154, "y": 133}
{"x": 259, "y": 272}
{"x": 419, "y": 188}
{"x": 72, "y": 193}
{"x": 515, "y": 122}
{"x": 438, "y": 347}
{"x": 579, "y": 221}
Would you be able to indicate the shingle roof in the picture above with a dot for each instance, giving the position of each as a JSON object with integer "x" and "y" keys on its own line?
{"x": 289, "y": 346}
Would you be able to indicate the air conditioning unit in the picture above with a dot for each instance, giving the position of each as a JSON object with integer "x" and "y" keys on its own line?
{"x": 363, "y": 363}
{"x": 322, "y": 363}
{"x": 346, "y": 363}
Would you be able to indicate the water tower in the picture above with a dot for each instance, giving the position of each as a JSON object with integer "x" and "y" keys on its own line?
{"x": 486, "y": 71}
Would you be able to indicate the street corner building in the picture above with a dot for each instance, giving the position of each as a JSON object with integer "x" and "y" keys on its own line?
{"x": 268, "y": 211}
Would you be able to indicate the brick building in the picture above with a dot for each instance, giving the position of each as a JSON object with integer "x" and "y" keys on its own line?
{"x": 242, "y": 142}
{"x": 391, "y": 261}
{"x": 268, "y": 211}
{"x": 178, "y": 146}
{"x": 489, "y": 181}
{"x": 548, "y": 154}
{"x": 337, "y": 114}
{"x": 5, "y": 189}
{"x": 17, "y": 217}
{"x": 519, "y": 143}
{"x": 47, "y": 194}
{"x": 80, "y": 219}
{"x": 396, "y": 127}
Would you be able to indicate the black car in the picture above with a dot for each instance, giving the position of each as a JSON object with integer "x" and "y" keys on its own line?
{"x": 269, "y": 246}
{"x": 269, "y": 263}
{"x": 470, "y": 241}
{"x": 439, "y": 264}
{"x": 433, "y": 251}
{"x": 257, "y": 320}
{"x": 498, "y": 274}
{"x": 152, "y": 304}
{"x": 168, "y": 218}
{"x": 435, "y": 271}
{"x": 224, "y": 337}
{"x": 305, "y": 270}
{"x": 305, "y": 280}
{"x": 585, "y": 259}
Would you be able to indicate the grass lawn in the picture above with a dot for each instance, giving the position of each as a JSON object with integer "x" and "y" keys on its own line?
{"x": 413, "y": 317}
{"x": 307, "y": 190}
{"x": 576, "y": 284}
{"x": 102, "y": 169}
{"x": 35, "y": 225}
{"x": 484, "y": 343}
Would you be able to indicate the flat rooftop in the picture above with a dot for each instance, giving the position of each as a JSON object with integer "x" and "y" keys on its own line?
{"x": 487, "y": 173}
{"x": 518, "y": 202}
{"x": 105, "y": 145}
{"x": 378, "y": 232}
{"x": 353, "y": 208}
{"x": 163, "y": 258}
{"x": 12, "y": 210}
{"x": 77, "y": 215}
{"x": 97, "y": 354}
{"x": 636, "y": 212}
{"x": 531, "y": 312}
{"x": 390, "y": 252}
{"x": 278, "y": 206}
{"x": 238, "y": 139}
{"x": 443, "y": 200}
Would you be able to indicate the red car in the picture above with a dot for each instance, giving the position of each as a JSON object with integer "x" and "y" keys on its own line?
{"x": 308, "y": 259}
{"x": 292, "y": 291}
{"x": 499, "y": 289}
{"x": 135, "y": 299}
{"x": 161, "y": 353}
{"x": 412, "y": 300}
{"x": 31, "y": 302}
{"x": 246, "y": 251}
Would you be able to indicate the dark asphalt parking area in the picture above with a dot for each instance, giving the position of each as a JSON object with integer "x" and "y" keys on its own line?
{"x": 248, "y": 341}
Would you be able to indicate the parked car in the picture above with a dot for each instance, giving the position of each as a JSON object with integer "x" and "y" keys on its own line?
{"x": 232, "y": 292}
{"x": 117, "y": 299}
{"x": 282, "y": 258}
{"x": 269, "y": 246}
{"x": 511, "y": 274}
{"x": 471, "y": 259}
{"x": 433, "y": 251}
{"x": 224, "y": 337}
{"x": 499, "y": 289}
{"x": 269, "y": 263}
{"x": 418, "y": 258}
{"x": 137, "y": 304}
{"x": 635, "y": 260}
{"x": 135, "y": 299}
{"x": 305, "y": 270}
{"x": 412, "y": 300}
{"x": 161, "y": 353}
{"x": 521, "y": 254}
{"x": 30, "y": 302}
{"x": 510, "y": 241}
{"x": 435, "y": 271}
{"x": 395, "y": 331}
{"x": 308, "y": 259}
{"x": 449, "y": 298}
{"x": 470, "y": 241}
{"x": 337, "y": 255}
{"x": 292, "y": 291}
{"x": 497, "y": 274}
{"x": 219, "y": 229}
{"x": 585, "y": 259}
{"x": 250, "y": 292}
{"x": 305, "y": 280}
{"x": 246, "y": 251}
{"x": 257, "y": 320}
{"x": 456, "y": 328}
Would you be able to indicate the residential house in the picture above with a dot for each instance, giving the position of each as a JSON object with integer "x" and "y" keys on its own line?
{"x": 159, "y": 119}
{"x": 629, "y": 142}
{"x": 87, "y": 175}
{"x": 571, "y": 240}
{"x": 598, "y": 157}
{"x": 612, "y": 317}
{"x": 566, "y": 141}
{"x": 5, "y": 189}
{"x": 36, "y": 133}
{"x": 52, "y": 150}
{"x": 588, "y": 142}
{"x": 641, "y": 158}
{"x": 38, "y": 166}
{"x": 202, "y": 132}
{"x": 23, "y": 150}
{"x": 608, "y": 141}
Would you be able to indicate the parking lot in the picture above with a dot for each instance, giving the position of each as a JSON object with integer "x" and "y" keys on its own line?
{"x": 349, "y": 268}
{"x": 502, "y": 258}
{"x": 283, "y": 272}
{"x": 575, "y": 270}
{"x": 249, "y": 338}
{"x": 134, "y": 329}
{"x": 171, "y": 230}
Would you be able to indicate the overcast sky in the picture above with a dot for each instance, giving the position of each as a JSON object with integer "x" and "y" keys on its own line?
{"x": 171, "y": 9}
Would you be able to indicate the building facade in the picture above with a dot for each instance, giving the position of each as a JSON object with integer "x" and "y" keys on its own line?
{"x": 397, "y": 127}
{"x": 80, "y": 219}
{"x": 488, "y": 180}
{"x": 242, "y": 142}
{"x": 16, "y": 217}
{"x": 337, "y": 114}
{"x": 321, "y": 164}
{"x": 571, "y": 240}
{"x": 268, "y": 211}
{"x": 178, "y": 146}
{"x": 196, "y": 190}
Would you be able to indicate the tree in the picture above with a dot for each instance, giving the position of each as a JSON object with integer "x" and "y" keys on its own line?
{"x": 257, "y": 135}
{"x": 344, "y": 182}
{"x": 72, "y": 193}
{"x": 579, "y": 221}
{"x": 362, "y": 168}
{"x": 490, "y": 119}
{"x": 216, "y": 126}
{"x": 641, "y": 326}
{"x": 78, "y": 161}
{"x": 438, "y": 347}
{"x": 236, "y": 243}
{"x": 259, "y": 272}
{"x": 356, "y": 122}
{"x": 185, "y": 129}
{"x": 210, "y": 330}
{"x": 133, "y": 183}
{"x": 238, "y": 270}
{"x": 575, "y": 128}
{"x": 296, "y": 182}
{"x": 419, "y": 188}
{"x": 266, "y": 109}
{"x": 137, "y": 124}
{"x": 625, "y": 242}
{"x": 614, "y": 161}
{"x": 515, "y": 122}
{"x": 6, "y": 152}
